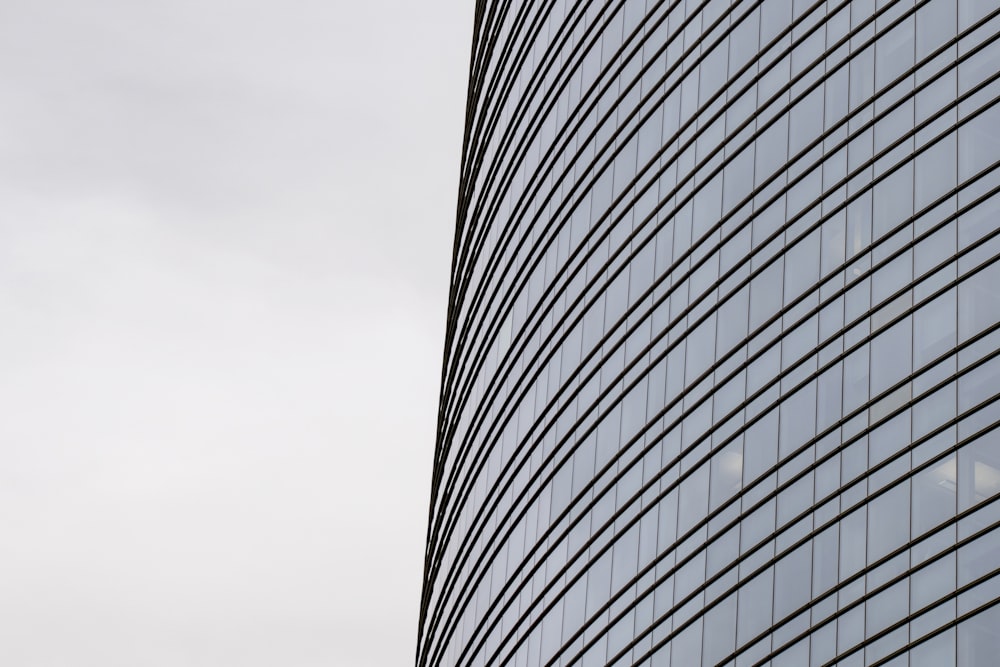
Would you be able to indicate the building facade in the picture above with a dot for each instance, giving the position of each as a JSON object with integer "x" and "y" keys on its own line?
{"x": 721, "y": 367}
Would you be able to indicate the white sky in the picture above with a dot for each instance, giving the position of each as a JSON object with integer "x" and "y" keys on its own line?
{"x": 225, "y": 236}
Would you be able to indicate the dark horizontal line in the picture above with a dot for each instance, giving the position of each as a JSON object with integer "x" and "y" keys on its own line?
{"x": 764, "y": 245}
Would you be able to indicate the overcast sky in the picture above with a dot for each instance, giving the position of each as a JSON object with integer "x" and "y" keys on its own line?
{"x": 225, "y": 234}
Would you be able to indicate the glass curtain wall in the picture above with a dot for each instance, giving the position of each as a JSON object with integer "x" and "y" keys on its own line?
{"x": 720, "y": 379}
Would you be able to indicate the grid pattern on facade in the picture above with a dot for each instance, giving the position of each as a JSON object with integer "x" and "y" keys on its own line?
{"x": 721, "y": 364}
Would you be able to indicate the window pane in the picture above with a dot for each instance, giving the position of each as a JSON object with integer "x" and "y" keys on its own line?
{"x": 979, "y": 302}
{"x": 890, "y": 361}
{"x": 934, "y": 327}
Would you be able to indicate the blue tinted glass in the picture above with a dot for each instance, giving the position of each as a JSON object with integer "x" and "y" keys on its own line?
{"x": 719, "y": 379}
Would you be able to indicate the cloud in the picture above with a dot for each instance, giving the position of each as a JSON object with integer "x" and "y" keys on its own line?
{"x": 225, "y": 231}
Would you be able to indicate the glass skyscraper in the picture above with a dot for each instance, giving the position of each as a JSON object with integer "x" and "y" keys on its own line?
{"x": 721, "y": 377}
